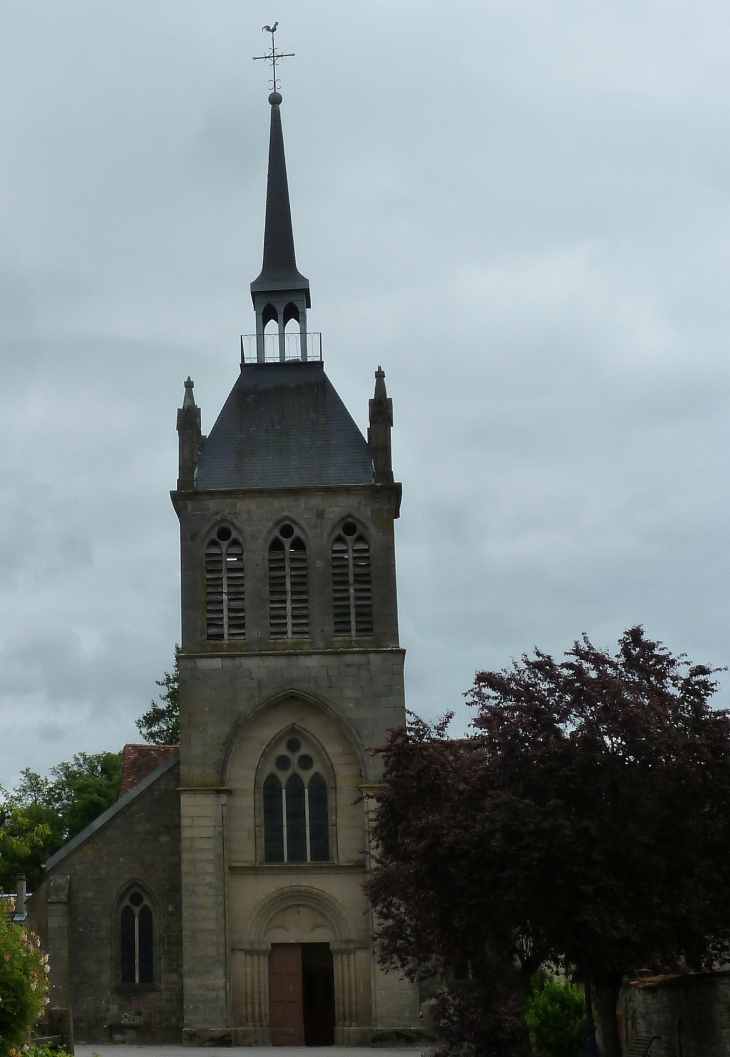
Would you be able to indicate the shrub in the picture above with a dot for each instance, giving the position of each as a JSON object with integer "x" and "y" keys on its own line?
{"x": 555, "y": 1016}
{"x": 23, "y": 985}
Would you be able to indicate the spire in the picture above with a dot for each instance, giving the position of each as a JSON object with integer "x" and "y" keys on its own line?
{"x": 279, "y": 271}
{"x": 189, "y": 399}
{"x": 281, "y": 293}
{"x": 188, "y": 429}
{"x": 381, "y": 422}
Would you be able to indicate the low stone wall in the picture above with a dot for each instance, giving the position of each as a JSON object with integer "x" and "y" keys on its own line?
{"x": 691, "y": 1014}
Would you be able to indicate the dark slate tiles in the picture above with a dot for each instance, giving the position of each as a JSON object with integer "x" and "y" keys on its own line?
{"x": 283, "y": 425}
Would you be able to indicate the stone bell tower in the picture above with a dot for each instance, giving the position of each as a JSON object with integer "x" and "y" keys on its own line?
{"x": 291, "y": 673}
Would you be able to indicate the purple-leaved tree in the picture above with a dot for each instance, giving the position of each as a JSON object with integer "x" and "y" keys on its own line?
{"x": 585, "y": 820}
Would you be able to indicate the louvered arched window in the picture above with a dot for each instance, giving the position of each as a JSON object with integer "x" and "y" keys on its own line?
{"x": 288, "y": 586}
{"x": 351, "y": 583}
{"x": 225, "y": 600}
{"x": 136, "y": 940}
{"x": 296, "y": 813}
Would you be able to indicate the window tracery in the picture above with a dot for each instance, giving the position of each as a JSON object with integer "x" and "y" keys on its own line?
{"x": 352, "y": 599}
{"x": 136, "y": 924}
{"x": 288, "y": 585}
{"x": 295, "y": 802}
{"x": 225, "y": 587}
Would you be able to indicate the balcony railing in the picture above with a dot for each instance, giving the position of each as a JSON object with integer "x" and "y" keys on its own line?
{"x": 272, "y": 348}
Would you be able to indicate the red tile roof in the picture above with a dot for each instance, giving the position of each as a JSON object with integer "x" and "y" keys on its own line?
{"x": 140, "y": 760}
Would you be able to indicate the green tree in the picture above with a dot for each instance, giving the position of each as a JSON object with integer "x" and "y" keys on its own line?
{"x": 41, "y": 814}
{"x": 28, "y": 835}
{"x": 84, "y": 788}
{"x": 555, "y": 1016}
{"x": 160, "y": 725}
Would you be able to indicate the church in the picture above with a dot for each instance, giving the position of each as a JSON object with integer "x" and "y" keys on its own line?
{"x": 220, "y": 900}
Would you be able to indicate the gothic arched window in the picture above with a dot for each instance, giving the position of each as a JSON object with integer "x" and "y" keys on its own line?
{"x": 225, "y": 603}
{"x": 136, "y": 940}
{"x": 296, "y": 812}
{"x": 352, "y": 596}
{"x": 288, "y": 586}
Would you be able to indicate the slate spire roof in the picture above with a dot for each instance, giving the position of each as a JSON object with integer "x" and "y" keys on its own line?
{"x": 279, "y": 269}
{"x": 283, "y": 424}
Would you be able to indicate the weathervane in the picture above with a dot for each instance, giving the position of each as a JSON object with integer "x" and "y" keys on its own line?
{"x": 273, "y": 56}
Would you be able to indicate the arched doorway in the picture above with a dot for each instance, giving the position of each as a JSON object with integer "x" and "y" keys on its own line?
{"x": 299, "y": 982}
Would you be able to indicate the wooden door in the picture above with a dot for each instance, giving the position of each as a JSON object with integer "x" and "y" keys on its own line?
{"x": 286, "y": 1015}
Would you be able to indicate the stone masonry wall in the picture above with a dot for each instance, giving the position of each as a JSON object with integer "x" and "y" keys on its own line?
{"x": 362, "y": 688}
{"x": 81, "y": 897}
{"x": 223, "y": 685}
{"x": 691, "y": 1014}
{"x": 317, "y": 514}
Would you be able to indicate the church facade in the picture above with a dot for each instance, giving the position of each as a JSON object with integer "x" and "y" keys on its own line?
{"x": 221, "y": 899}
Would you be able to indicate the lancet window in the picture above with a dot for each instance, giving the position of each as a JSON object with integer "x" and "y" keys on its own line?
{"x": 225, "y": 595}
{"x": 136, "y": 939}
{"x": 295, "y": 801}
{"x": 352, "y": 596}
{"x": 288, "y": 585}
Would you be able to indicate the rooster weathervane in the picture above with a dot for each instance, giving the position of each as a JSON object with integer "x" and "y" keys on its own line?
{"x": 273, "y": 56}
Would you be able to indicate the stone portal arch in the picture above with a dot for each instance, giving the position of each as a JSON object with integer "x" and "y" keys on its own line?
{"x": 299, "y": 914}
{"x": 321, "y": 914}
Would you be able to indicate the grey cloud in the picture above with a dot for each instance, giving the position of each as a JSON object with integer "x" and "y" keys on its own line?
{"x": 527, "y": 226}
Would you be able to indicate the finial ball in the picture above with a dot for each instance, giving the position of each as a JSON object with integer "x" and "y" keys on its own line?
{"x": 275, "y": 98}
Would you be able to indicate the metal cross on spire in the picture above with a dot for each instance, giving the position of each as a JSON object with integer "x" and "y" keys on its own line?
{"x": 273, "y": 56}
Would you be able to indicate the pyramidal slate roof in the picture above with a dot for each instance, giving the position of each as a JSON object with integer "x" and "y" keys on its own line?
{"x": 283, "y": 425}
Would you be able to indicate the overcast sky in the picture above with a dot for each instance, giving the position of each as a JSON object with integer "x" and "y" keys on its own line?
{"x": 519, "y": 208}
